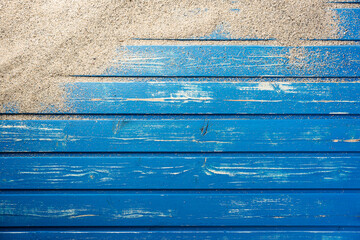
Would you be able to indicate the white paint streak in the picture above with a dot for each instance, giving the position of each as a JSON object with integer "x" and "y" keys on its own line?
{"x": 141, "y": 212}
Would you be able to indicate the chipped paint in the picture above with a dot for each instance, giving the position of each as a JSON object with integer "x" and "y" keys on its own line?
{"x": 82, "y": 216}
{"x": 250, "y": 100}
{"x": 347, "y": 140}
{"x": 268, "y": 86}
{"x": 329, "y": 101}
{"x": 141, "y": 213}
{"x": 170, "y": 99}
{"x": 209, "y": 170}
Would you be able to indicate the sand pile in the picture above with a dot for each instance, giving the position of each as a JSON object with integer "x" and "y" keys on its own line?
{"x": 42, "y": 42}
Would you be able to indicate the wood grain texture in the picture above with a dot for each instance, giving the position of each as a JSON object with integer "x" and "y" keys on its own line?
{"x": 194, "y": 154}
{"x": 234, "y": 61}
{"x": 189, "y": 97}
{"x": 181, "y": 171}
{"x": 179, "y": 208}
{"x": 179, "y": 233}
{"x": 204, "y": 134}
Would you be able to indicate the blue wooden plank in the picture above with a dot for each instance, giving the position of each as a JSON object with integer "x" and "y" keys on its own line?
{"x": 188, "y": 97}
{"x": 190, "y": 234}
{"x": 184, "y": 134}
{"x": 189, "y": 171}
{"x": 235, "y": 61}
{"x": 179, "y": 208}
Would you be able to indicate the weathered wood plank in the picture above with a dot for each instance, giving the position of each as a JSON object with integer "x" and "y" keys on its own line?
{"x": 189, "y": 97}
{"x": 187, "y": 171}
{"x": 179, "y": 208}
{"x": 193, "y": 97}
{"x": 234, "y": 61}
{"x": 190, "y": 234}
{"x": 183, "y": 134}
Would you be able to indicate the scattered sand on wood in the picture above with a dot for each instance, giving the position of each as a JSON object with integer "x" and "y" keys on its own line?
{"x": 289, "y": 22}
{"x": 43, "y": 42}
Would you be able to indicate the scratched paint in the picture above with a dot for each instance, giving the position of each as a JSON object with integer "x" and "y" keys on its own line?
{"x": 187, "y": 234}
{"x": 180, "y": 208}
{"x": 244, "y": 171}
{"x": 191, "y": 97}
{"x": 222, "y": 135}
{"x": 141, "y": 212}
{"x": 239, "y": 61}
{"x": 190, "y": 152}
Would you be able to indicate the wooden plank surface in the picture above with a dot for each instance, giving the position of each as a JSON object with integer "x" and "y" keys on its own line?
{"x": 179, "y": 233}
{"x": 179, "y": 208}
{"x": 189, "y": 97}
{"x": 186, "y": 171}
{"x": 234, "y": 61}
{"x": 194, "y": 154}
{"x": 169, "y": 134}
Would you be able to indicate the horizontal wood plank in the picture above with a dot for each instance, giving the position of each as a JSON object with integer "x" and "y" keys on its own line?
{"x": 179, "y": 209}
{"x": 209, "y": 234}
{"x": 202, "y": 134}
{"x": 189, "y": 171}
{"x": 297, "y": 170}
{"x": 191, "y": 96}
{"x": 172, "y": 97}
{"x": 234, "y": 61}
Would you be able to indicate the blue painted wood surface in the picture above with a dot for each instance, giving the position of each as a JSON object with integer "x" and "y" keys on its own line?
{"x": 204, "y": 142}
{"x": 185, "y": 97}
{"x": 199, "y": 134}
{"x": 181, "y": 171}
{"x": 206, "y": 96}
{"x": 182, "y": 233}
{"x": 180, "y": 208}
{"x": 234, "y": 61}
